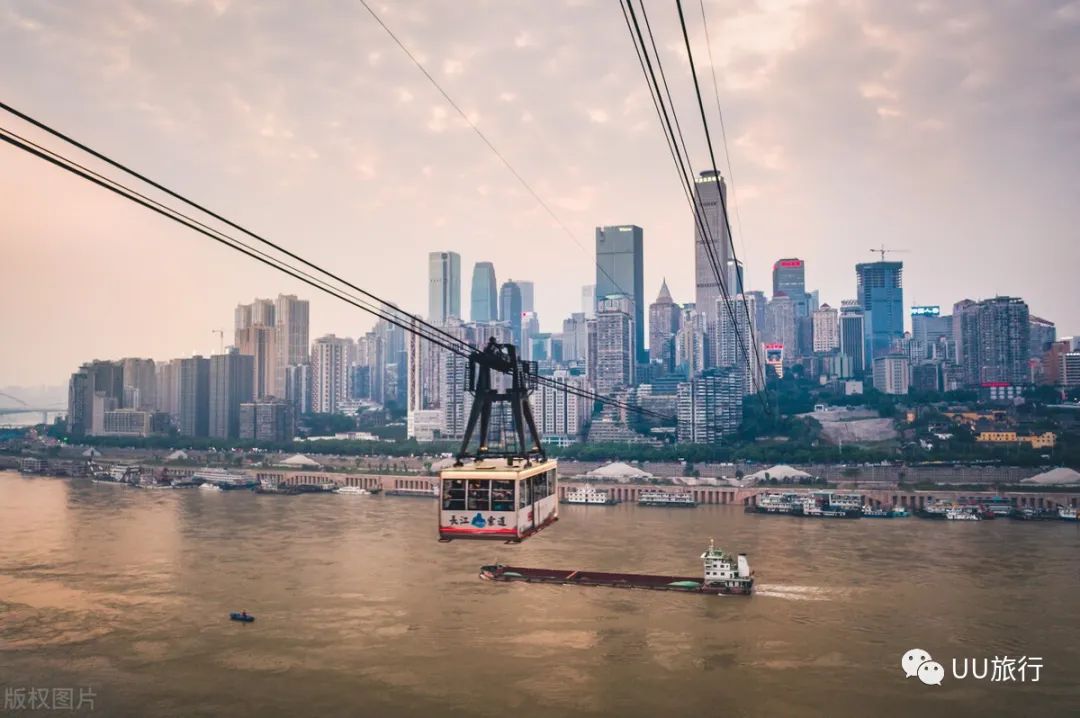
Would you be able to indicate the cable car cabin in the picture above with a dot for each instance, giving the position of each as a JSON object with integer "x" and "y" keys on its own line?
{"x": 492, "y": 499}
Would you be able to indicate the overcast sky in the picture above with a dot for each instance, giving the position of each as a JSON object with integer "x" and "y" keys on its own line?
{"x": 950, "y": 129}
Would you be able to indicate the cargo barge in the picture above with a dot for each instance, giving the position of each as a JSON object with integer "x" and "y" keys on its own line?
{"x": 723, "y": 574}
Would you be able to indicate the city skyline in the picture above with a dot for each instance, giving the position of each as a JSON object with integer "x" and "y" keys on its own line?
{"x": 909, "y": 130}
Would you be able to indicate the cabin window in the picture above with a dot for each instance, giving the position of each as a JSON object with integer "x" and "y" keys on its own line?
{"x": 524, "y": 493}
{"x": 479, "y": 497}
{"x": 502, "y": 495}
{"x": 454, "y": 495}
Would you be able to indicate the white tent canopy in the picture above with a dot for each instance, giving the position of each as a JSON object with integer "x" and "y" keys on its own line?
{"x": 178, "y": 455}
{"x": 298, "y": 460}
{"x": 618, "y": 471}
{"x": 778, "y": 472}
{"x": 1060, "y": 476}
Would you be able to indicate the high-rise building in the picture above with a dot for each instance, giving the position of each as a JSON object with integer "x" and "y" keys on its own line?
{"x": 260, "y": 311}
{"x": 80, "y": 402}
{"x": 559, "y": 413}
{"x": 710, "y": 406}
{"x": 259, "y": 341}
{"x": 588, "y": 300}
{"x": 1043, "y": 334}
{"x": 733, "y": 347}
{"x": 996, "y": 340}
{"x": 292, "y": 342}
{"x": 485, "y": 297}
{"x": 575, "y": 338}
{"x": 140, "y": 384}
{"x": 928, "y": 328}
{"x": 892, "y": 374}
{"x": 710, "y": 195}
{"x": 781, "y": 327}
{"x": 298, "y": 387}
{"x": 664, "y": 316}
{"x": 444, "y": 286}
{"x": 826, "y": 329}
{"x": 853, "y": 335}
{"x": 272, "y": 421}
{"x": 789, "y": 278}
{"x": 528, "y": 289}
{"x": 510, "y": 309}
{"x": 530, "y": 329}
{"x": 455, "y": 402}
{"x": 329, "y": 374}
{"x": 881, "y": 295}
{"x": 691, "y": 342}
{"x": 615, "y": 348}
{"x": 232, "y": 381}
{"x": 195, "y": 396}
{"x": 620, "y": 269}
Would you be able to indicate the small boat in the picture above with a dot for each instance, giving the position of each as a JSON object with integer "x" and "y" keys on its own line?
{"x": 353, "y": 491}
{"x": 962, "y": 514}
{"x": 210, "y": 487}
{"x": 1066, "y": 513}
{"x": 242, "y": 616}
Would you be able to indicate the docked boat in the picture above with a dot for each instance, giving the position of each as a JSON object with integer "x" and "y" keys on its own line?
{"x": 353, "y": 491}
{"x": 774, "y": 504}
{"x": 1066, "y": 513}
{"x": 962, "y": 513}
{"x": 242, "y": 616}
{"x": 723, "y": 573}
{"x": 665, "y": 498}
{"x": 829, "y": 505}
{"x": 899, "y": 512}
{"x": 932, "y": 511}
{"x": 589, "y": 496}
{"x": 210, "y": 487}
{"x": 872, "y": 512}
{"x": 224, "y": 479}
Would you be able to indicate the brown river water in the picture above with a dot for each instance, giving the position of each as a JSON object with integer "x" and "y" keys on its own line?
{"x": 122, "y": 596}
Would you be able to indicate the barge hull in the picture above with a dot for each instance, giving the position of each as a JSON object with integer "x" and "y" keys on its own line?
{"x": 684, "y": 584}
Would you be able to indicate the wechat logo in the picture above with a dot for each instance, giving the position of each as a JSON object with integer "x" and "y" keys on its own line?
{"x": 918, "y": 662}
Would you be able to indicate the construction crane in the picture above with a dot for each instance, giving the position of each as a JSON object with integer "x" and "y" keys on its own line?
{"x": 221, "y": 339}
{"x": 883, "y": 250}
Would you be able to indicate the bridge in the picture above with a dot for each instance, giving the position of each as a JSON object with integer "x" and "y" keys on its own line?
{"x": 25, "y": 408}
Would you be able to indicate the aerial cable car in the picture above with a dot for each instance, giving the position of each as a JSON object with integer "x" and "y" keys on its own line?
{"x": 510, "y": 492}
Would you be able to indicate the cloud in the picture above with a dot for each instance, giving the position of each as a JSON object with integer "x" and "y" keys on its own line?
{"x": 598, "y": 116}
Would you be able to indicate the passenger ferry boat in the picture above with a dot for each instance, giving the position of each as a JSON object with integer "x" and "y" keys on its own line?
{"x": 962, "y": 513}
{"x": 830, "y": 505}
{"x": 432, "y": 493}
{"x": 224, "y": 479}
{"x": 589, "y": 496}
{"x": 774, "y": 504}
{"x": 723, "y": 574}
{"x": 664, "y": 498}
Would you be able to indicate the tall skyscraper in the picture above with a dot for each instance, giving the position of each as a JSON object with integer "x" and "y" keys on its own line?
{"x": 510, "y": 309}
{"x": 485, "y": 297}
{"x": 195, "y": 396}
{"x": 710, "y": 193}
{"x": 292, "y": 327}
{"x": 298, "y": 387}
{"x": 620, "y": 269}
{"x": 444, "y": 286}
{"x": 329, "y": 374}
{"x": 780, "y": 326}
{"x": 615, "y": 348}
{"x": 588, "y": 300}
{"x": 892, "y": 374}
{"x": 853, "y": 334}
{"x": 732, "y": 346}
{"x": 232, "y": 379}
{"x": 664, "y": 315}
{"x": 881, "y": 295}
{"x": 259, "y": 341}
{"x": 575, "y": 337}
{"x": 140, "y": 384}
{"x": 691, "y": 350}
{"x": 528, "y": 289}
{"x": 80, "y": 402}
{"x": 168, "y": 389}
{"x": 1043, "y": 334}
{"x": 789, "y": 277}
{"x": 996, "y": 341}
{"x": 826, "y": 329}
